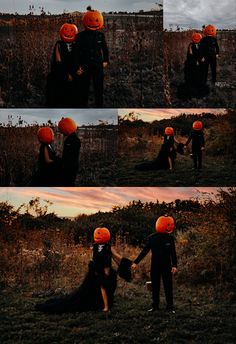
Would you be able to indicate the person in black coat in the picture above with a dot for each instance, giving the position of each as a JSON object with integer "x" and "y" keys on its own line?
{"x": 198, "y": 143}
{"x": 60, "y": 91}
{"x": 91, "y": 57}
{"x": 164, "y": 260}
{"x": 71, "y": 151}
{"x": 49, "y": 163}
{"x": 210, "y": 51}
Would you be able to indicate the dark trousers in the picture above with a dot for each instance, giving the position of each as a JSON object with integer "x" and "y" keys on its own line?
{"x": 210, "y": 61}
{"x": 69, "y": 177}
{"x": 197, "y": 158}
{"x": 96, "y": 75}
{"x": 166, "y": 275}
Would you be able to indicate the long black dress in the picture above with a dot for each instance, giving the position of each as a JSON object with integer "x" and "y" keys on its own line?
{"x": 161, "y": 162}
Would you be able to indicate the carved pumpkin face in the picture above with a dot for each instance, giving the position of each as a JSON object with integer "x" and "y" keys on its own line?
{"x": 45, "y": 135}
{"x": 165, "y": 224}
{"x": 101, "y": 235}
{"x": 68, "y": 32}
{"x": 67, "y": 126}
{"x": 197, "y": 125}
{"x": 196, "y": 37}
{"x": 210, "y": 30}
{"x": 93, "y": 20}
{"x": 169, "y": 131}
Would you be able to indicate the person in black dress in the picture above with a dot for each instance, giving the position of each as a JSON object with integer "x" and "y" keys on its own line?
{"x": 71, "y": 151}
{"x": 164, "y": 260}
{"x": 193, "y": 69}
{"x": 60, "y": 89}
{"x": 48, "y": 163}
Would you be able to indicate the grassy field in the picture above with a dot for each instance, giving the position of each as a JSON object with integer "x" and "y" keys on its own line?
{"x": 175, "y": 51}
{"x": 134, "y": 76}
{"x": 198, "y": 319}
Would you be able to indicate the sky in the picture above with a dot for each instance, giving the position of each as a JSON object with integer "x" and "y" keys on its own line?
{"x": 70, "y": 202}
{"x": 58, "y": 6}
{"x": 149, "y": 115}
{"x": 81, "y": 116}
{"x": 195, "y": 13}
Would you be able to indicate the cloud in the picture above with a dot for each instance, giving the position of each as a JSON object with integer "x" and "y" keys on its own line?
{"x": 150, "y": 115}
{"x": 81, "y": 116}
{"x": 88, "y": 200}
{"x": 195, "y": 13}
{"x": 58, "y": 6}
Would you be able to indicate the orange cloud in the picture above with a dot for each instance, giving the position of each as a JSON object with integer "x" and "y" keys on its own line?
{"x": 88, "y": 200}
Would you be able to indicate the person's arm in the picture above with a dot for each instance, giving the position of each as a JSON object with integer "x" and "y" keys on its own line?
{"x": 143, "y": 253}
{"x": 46, "y": 156}
{"x": 115, "y": 255}
{"x": 188, "y": 140}
{"x": 105, "y": 51}
{"x": 57, "y": 52}
{"x": 217, "y": 48}
{"x": 173, "y": 256}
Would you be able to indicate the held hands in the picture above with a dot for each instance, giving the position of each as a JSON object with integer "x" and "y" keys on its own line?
{"x": 174, "y": 270}
{"x": 69, "y": 77}
{"x": 202, "y": 148}
{"x": 79, "y": 71}
{"x": 105, "y": 64}
{"x": 134, "y": 266}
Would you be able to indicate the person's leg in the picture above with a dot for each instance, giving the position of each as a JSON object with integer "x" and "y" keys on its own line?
{"x": 83, "y": 84}
{"x": 213, "y": 68}
{"x": 200, "y": 159}
{"x": 98, "y": 77}
{"x": 168, "y": 287}
{"x": 155, "y": 277}
{"x": 105, "y": 299}
{"x": 205, "y": 70}
{"x": 170, "y": 163}
{"x": 194, "y": 153}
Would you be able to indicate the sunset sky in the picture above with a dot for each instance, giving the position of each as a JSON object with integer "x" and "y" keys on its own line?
{"x": 39, "y": 116}
{"x": 70, "y": 202}
{"x": 149, "y": 115}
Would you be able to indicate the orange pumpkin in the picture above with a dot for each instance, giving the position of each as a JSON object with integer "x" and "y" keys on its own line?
{"x": 101, "y": 235}
{"x": 197, "y": 125}
{"x": 93, "y": 20}
{"x": 169, "y": 131}
{"x": 67, "y": 126}
{"x": 68, "y": 32}
{"x": 165, "y": 224}
{"x": 45, "y": 135}
{"x": 210, "y": 30}
{"x": 196, "y": 37}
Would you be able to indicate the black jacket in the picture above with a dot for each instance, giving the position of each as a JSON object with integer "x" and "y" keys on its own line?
{"x": 194, "y": 53}
{"x": 209, "y": 47}
{"x": 91, "y": 49}
{"x": 71, "y": 150}
{"x": 163, "y": 251}
{"x": 197, "y": 138}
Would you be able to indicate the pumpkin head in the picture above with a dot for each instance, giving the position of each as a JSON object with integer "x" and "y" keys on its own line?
{"x": 67, "y": 126}
{"x": 101, "y": 235}
{"x": 169, "y": 131}
{"x": 45, "y": 135}
{"x": 210, "y": 30}
{"x": 196, "y": 37}
{"x": 197, "y": 125}
{"x": 165, "y": 224}
{"x": 68, "y": 32}
{"x": 93, "y": 20}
